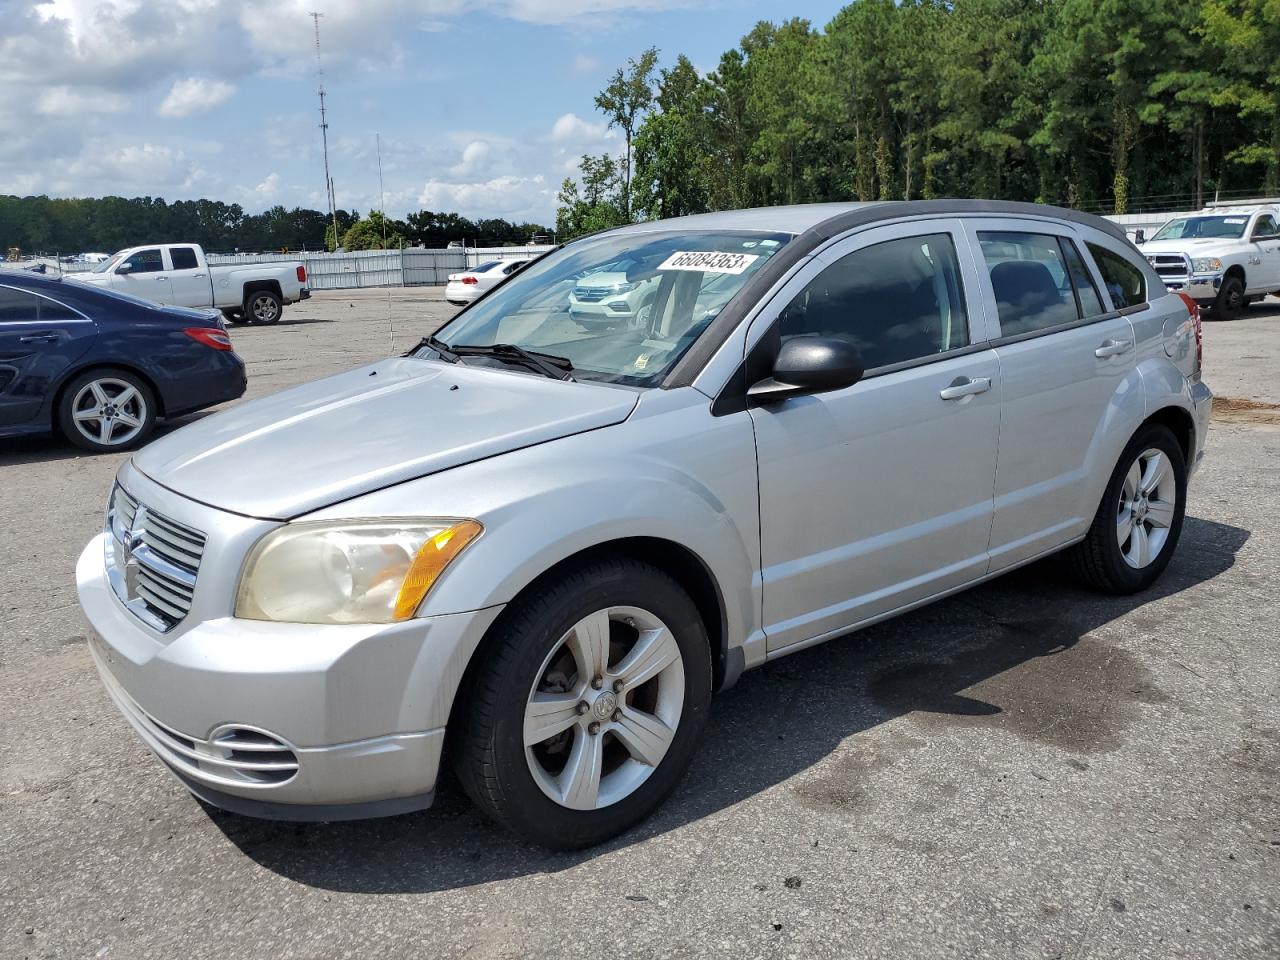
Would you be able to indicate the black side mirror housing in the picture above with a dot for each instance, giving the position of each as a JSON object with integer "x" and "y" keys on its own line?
{"x": 809, "y": 365}
{"x": 1139, "y": 236}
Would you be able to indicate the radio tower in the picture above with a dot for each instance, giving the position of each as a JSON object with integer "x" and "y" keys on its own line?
{"x": 324, "y": 136}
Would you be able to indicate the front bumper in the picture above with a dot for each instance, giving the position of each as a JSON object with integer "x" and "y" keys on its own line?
{"x": 616, "y": 310}
{"x": 1202, "y": 289}
{"x": 1202, "y": 408}
{"x": 352, "y": 717}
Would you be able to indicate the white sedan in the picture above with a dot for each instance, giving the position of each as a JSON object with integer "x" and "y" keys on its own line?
{"x": 470, "y": 284}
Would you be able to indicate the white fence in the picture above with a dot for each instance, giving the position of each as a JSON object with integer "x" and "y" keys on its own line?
{"x": 410, "y": 267}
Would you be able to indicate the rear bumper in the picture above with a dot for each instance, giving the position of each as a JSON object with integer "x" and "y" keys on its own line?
{"x": 1201, "y": 407}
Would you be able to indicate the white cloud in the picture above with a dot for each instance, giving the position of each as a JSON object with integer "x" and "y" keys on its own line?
{"x": 510, "y": 196}
{"x": 475, "y": 159}
{"x": 571, "y": 127}
{"x": 194, "y": 95}
{"x": 71, "y": 102}
{"x": 583, "y": 63}
{"x": 266, "y": 191}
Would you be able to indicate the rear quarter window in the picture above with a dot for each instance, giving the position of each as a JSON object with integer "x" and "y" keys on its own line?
{"x": 1124, "y": 280}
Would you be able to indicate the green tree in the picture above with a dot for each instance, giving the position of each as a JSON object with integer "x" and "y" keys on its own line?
{"x": 596, "y": 203}
{"x": 627, "y": 97}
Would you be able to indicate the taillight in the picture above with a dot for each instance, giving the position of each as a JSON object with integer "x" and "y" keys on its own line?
{"x": 1193, "y": 309}
{"x": 216, "y": 339}
{"x": 302, "y": 274}
{"x": 470, "y": 280}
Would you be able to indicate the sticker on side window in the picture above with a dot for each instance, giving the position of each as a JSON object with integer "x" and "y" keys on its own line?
{"x": 704, "y": 261}
{"x": 1236, "y": 220}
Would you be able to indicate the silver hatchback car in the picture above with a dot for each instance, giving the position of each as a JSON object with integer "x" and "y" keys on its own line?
{"x": 548, "y": 547}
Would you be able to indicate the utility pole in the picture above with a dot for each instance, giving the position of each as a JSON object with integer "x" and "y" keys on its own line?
{"x": 324, "y": 136}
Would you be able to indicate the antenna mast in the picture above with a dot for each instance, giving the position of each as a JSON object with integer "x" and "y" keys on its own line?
{"x": 324, "y": 136}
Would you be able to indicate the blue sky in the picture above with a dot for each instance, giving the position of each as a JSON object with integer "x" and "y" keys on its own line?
{"x": 483, "y": 106}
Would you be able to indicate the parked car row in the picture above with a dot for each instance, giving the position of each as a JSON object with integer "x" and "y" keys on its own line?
{"x": 814, "y": 418}
{"x": 469, "y": 285}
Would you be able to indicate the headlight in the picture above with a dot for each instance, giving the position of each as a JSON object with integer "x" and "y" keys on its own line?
{"x": 348, "y": 571}
{"x": 1206, "y": 265}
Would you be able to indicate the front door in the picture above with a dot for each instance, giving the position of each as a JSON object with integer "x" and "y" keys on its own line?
{"x": 1264, "y": 277}
{"x": 146, "y": 276}
{"x": 878, "y": 496}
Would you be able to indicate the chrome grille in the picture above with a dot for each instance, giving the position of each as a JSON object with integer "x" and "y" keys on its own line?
{"x": 591, "y": 294}
{"x": 152, "y": 561}
{"x": 1170, "y": 264}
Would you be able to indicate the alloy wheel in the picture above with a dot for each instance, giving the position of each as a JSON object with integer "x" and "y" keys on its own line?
{"x": 109, "y": 411}
{"x": 264, "y": 309}
{"x": 604, "y": 708}
{"x": 1146, "y": 510}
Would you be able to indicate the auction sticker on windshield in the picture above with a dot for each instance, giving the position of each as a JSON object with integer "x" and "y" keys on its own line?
{"x": 709, "y": 261}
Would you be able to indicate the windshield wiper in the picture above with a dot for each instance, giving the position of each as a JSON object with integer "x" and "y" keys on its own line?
{"x": 557, "y": 368}
{"x": 439, "y": 346}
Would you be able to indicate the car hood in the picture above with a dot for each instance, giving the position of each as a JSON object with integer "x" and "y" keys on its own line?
{"x": 603, "y": 280}
{"x": 396, "y": 420}
{"x": 1188, "y": 245}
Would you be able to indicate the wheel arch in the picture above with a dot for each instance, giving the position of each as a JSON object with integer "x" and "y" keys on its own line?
{"x": 1180, "y": 423}
{"x": 253, "y": 286}
{"x": 1236, "y": 270}
{"x": 84, "y": 367}
{"x": 676, "y": 560}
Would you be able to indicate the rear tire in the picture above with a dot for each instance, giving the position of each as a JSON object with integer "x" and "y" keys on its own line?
{"x": 263, "y": 306}
{"x": 620, "y": 740}
{"x": 1230, "y": 300}
{"x": 233, "y": 316}
{"x": 106, "y": 410}
{"x": 1139, "y": 521}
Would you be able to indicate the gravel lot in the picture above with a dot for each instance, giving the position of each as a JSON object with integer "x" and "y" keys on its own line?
{"x": 1026, "y": 770}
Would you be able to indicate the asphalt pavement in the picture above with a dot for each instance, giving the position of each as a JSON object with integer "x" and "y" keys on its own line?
{"x": 1026, "y": 770}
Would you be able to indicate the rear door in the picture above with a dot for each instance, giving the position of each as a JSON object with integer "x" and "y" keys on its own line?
{"x": 189, "y": 280}
{"x": 39, "y": 339}
{"x": 1265, "y": 238}
{"x": 879, "y": 495}
{"x": 147, "y": 276}
{"x": 1064, "y": 354}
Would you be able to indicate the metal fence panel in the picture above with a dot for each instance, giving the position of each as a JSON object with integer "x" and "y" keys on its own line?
{"x": 431, "y": 267}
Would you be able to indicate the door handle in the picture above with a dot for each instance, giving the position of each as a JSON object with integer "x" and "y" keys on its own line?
{"x": 162, "y": 278}
{"x": 39, "y": 338}
{"x": 962, "y": 387}
{"x": 197, "y": 276}
{"x": 1111, "y": 348}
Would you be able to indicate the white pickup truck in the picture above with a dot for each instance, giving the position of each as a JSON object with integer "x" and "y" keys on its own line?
{"x": 177, "y": 273}
{"x": 1224, "y": 258}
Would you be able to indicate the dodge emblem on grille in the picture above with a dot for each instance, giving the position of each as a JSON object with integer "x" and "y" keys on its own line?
{"x": 129, "y": 542}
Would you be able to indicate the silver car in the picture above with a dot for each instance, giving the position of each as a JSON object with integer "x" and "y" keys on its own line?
{"x": 548, "y": 547}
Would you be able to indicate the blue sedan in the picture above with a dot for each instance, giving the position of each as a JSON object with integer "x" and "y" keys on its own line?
{"x": 102, "y": 367}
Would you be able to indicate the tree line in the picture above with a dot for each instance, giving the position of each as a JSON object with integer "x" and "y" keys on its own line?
{"x": 1095, "y": 104}
{"x": 54, "y": 225}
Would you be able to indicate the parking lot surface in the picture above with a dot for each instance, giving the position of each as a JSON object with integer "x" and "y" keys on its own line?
{"x": 1024, "y": 770}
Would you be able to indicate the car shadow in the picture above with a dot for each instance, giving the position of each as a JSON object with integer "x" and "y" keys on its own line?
{"x": 232, "y": 327}
{"x": 49, "y": 448}
{"x": 1018, "y": 654}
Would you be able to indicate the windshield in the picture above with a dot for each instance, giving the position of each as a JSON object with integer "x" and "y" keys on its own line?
{"x": 621, "y": 308}
{"x": 108, "y": 263}
{"x": 1224, "y": 228}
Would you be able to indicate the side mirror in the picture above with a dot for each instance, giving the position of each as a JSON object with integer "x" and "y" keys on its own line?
{"x": 809, "y": 365}
{"x": 125, "y": 267}
{"x": 1139, "y": 236}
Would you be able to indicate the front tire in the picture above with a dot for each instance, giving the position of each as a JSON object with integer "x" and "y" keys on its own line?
{"x": 1230, "y": 300}
{"x": 595, "y": 690}
{"x": 1139, "y": 521}
{"x": 106, "y": 410}
{"x": 263, "y": 306}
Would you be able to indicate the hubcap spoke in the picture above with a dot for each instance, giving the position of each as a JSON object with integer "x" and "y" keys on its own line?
{"x": 547, "y": 715}
{"x": 125, "y": 396}
{"x": 104, "y": 430}
{"x": 1154, "y": 474}
{"x": 1132, "y": 481}
{"x": 1159, "y": 513}
{"x": 1140, "y": 550}
{"x": 590, "y": 645}
{"x": 654, "y": 652}
{"x": 1124, "y": 526}
{"x": 580, "y": 780}
{"x": 86, "y": 415}
{"x": 644, "y": 735}
{"x": 98, "y": 393}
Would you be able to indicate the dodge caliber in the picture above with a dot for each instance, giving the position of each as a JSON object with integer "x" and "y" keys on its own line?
{"x": 546, "y": 547}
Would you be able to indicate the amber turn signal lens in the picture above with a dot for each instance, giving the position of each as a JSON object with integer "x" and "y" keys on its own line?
{"x": 432, "y": 558}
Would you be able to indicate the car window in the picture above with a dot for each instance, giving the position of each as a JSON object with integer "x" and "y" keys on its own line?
{"x": 485, "y": 267}
{"x": 1266, "y": 226}
{"x": 1030, "y": 279}
{"x": 894, "y": 301}
{"x": 53, "y": 310}
{"x": 184, "y": 258}
{"x": 146, "y": 261}
{"x": 1087, "y": 298}
{"x": 1125, "y": 281}
{"x": 18, "y": 306}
